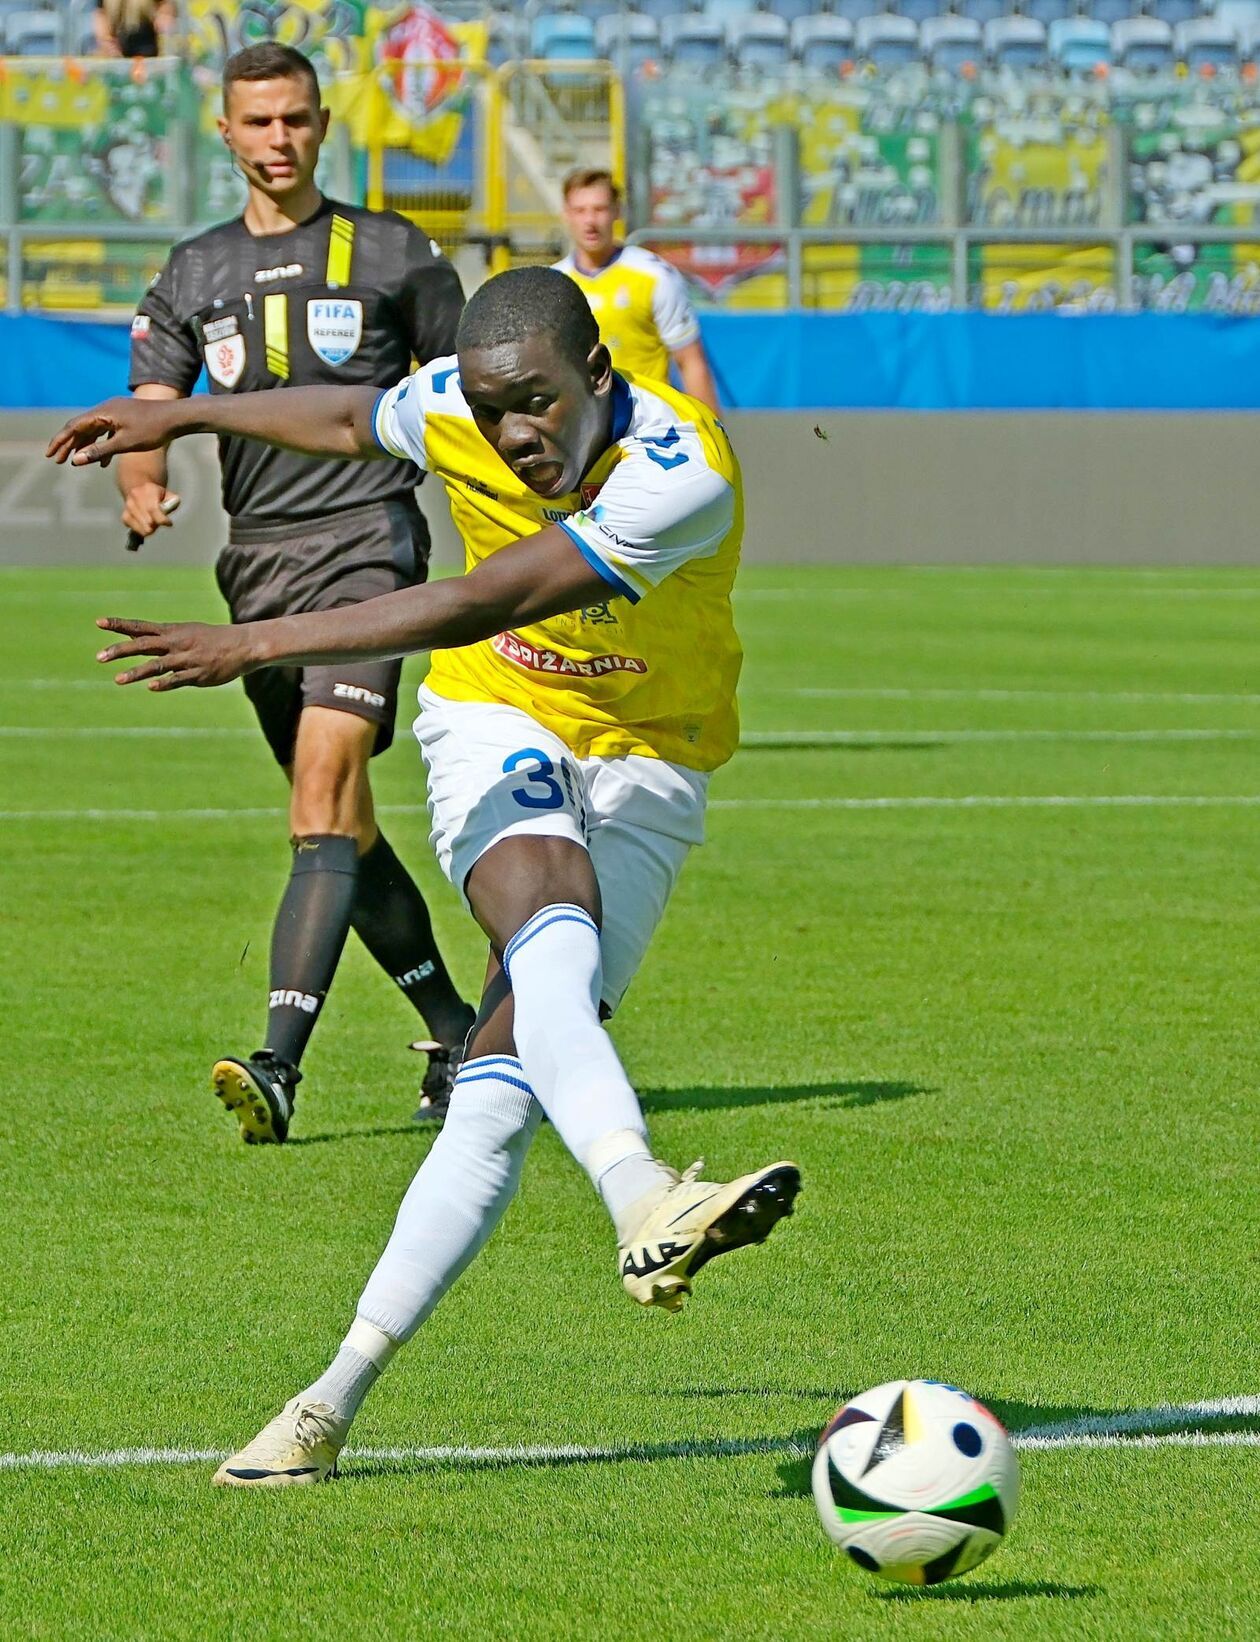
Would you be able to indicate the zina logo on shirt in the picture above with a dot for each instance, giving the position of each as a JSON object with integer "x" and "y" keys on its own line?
{"x": 334, "y": 326}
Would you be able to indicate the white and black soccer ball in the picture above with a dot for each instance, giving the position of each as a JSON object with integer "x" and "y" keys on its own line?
{"x": 916, "y": 1481}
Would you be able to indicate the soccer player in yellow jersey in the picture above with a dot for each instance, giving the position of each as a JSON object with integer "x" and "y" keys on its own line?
{"x": 640, "y": 302}
{"x": 582, "y": 689}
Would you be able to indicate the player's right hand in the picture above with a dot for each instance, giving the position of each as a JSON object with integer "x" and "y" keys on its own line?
{"x": 147, "y": 506}
{"x": 112, "y": 429}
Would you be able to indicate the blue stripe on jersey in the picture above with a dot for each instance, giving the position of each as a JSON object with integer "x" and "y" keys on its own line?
{"x": 375, "y": 430}
{"x": 622, "y": 405}
{"x": 597, "y": 564}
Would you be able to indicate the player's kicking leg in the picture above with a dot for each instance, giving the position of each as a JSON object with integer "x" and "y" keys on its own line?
{"x": 344, "y": 874}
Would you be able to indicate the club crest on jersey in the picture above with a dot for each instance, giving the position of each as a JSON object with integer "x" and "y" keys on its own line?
{"x": 590, "y": 492}
{"x": 225, "y": 360}
{"x": 334, "y": 327}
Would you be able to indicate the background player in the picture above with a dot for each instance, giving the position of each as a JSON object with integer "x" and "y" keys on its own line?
{"x": 641, "y": 303}
{"x": 303, "y": 289}
{"x": 569, "y": 732}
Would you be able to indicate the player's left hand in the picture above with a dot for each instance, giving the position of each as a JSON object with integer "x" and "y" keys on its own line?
{"x": 182, "y": 653}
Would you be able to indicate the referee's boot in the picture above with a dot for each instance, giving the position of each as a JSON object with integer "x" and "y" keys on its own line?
{"x": 260, "y": 1093}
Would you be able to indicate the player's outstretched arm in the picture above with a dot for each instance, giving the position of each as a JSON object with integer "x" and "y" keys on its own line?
{"x": 541, "y": 576}
{"x": 316, "y": 421}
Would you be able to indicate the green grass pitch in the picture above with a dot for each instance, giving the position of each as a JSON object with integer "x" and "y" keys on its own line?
{"x": 1013, "y": 1047}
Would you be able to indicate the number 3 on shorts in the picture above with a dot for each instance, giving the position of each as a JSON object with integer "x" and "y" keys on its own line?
{"x": 551, "y": 797}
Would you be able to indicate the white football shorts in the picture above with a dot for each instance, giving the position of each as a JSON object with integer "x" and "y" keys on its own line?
{"x": 495, "y": 772}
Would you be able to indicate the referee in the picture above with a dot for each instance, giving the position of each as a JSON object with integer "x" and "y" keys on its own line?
{"x": 302, "y": 290}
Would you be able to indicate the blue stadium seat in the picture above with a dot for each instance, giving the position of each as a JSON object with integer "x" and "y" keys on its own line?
{"x": 949, "y": 42}
{"x": 790, "y": 10}
{"x": 759, "y": 40}
{"x": 984, "y": 11}
{"x": 695, "y": 39}
{"x": 595, "y": 9}
{"x": 725, "y": 11}
{"x": 662, "y": 10}
{"x": 1015, "y": 42}
{"x": 1111, "y": 11}
{"x": 559, "y": 35}
{"x": 628, "y": 39}
{"x": 1173, "y": 12}
{"x": 1048, "y": 11}
{"x": 887, "y": 40}
{"x": 1080, "y": 44}
{"x": 1143, "y": 45}
{"x": 918, "y": 11}
{"x": 1205, "y": 43}
{"x": 505, "y": 40}
{"x": 854, "y": 10}
{"x": 822, "y": 43}
{"x": 33, "y": 34}
{"x": 1241, "y": 15}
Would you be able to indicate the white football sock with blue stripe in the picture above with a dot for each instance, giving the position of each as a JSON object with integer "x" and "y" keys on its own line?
{"x": 553, "y": 964}
{"x": 458, "y": 1196}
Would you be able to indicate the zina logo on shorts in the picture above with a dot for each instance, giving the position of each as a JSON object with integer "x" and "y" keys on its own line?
{"x": 334, "y": 328}
{"x": 356, "y": 692}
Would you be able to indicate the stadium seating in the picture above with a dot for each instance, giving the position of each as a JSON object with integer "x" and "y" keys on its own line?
{"x": 949, "y": 42}
{"x": 790, "y": 10}
{"x": 1079, "y": 44}
{"x": 984, "y": 11}
{"x": 33, "y": 34}
{"x": 1111, "y": 11}
{"x": 919, "y": 11}
{"x": 759, "y": 40}
{"x": 1204, "y": 43}
{"x": 1143, "y": 45}
{"x": 564, "y": 34}
{"x": 822, "y": 43}
{"x": 886, "y": 40}
{"x": 1015, "y": 42}
{"x": 694, "y": 39}
{"x": 628, "y": 39}
{"x": 1173, "y": 12}
{"x": 726, "y": 11}
{"x": 1048, "y": 11}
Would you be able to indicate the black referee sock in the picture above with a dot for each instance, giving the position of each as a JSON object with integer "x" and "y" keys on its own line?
{"x": 310, "y": 931}
{"x": 392, "y": 921}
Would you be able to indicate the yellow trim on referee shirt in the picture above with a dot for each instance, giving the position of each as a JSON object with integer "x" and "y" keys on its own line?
{"x": 276, "y": 333}
{"x": 340, "y": 251}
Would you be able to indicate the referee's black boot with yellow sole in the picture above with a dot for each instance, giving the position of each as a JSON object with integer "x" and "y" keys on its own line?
{"x": 259, "y": 1093}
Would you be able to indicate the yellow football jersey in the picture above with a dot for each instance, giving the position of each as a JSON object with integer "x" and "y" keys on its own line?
{"x": 652, "y": 668}
{"x": 641, "y": 305}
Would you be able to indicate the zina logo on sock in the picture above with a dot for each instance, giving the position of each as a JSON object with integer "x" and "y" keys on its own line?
{"x": 285, "y": 997}
{"x": 420, "y": 973}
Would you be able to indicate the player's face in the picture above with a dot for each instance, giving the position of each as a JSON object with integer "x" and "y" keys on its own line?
{"x": 544, "y": 414}
{"x": 589, "y": 214}
{"x": 274, "y": 128}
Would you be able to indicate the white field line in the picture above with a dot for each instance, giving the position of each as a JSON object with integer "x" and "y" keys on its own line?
{"x": 750, "y": 738}
{"x": 1166, "y": 1426}
{"x": 890, "y": 692}
{"x": 963, "y": 801}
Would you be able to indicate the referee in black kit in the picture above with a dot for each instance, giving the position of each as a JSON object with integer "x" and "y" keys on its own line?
{"x": 296, "y": 291}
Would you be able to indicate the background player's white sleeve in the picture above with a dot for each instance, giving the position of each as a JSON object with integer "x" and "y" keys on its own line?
{"x": 398, "y": 420}
{"x": 672, "y": 313}
{"x": 662, "y": 506}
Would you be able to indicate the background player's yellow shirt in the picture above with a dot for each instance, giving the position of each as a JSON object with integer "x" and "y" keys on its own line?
{"x": 641, "y": 305}
{"x": 652, "y": 669}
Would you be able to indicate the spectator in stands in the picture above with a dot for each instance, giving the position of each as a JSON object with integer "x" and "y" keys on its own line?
{"x": 132, "y": 28}
{"x": 645, "y": 315}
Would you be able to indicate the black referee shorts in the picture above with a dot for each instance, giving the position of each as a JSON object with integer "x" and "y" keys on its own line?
{"x": 283, "y": 570}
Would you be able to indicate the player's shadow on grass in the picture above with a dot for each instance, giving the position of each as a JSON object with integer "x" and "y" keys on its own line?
{"x": 381, "y": 1133}
{"x": 839, "y": 1096}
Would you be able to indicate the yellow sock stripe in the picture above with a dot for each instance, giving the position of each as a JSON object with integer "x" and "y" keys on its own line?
{"x": 276, "y": 333}
{"x": 340, "y": 251}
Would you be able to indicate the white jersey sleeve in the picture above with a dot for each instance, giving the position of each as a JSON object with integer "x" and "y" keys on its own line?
{"x": 661, "y": 506}
{"x": 398, "y": 416}
{"x": 672, "y": 313}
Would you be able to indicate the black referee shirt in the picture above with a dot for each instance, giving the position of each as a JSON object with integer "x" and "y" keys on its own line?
{"x": 348, "y": 296}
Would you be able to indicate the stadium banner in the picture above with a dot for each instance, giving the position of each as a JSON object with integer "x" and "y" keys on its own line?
{"x": 806, "y": 361}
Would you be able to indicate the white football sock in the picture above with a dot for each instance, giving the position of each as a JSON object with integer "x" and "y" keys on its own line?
{"x": 457, "y": 1198}
{"x": 553, "y": 964}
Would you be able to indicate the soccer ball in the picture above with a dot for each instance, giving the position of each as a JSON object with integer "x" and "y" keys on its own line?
{"x": 916, "y": 1481}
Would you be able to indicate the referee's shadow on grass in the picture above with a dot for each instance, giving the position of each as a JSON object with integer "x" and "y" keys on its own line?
{"x": 842, "y": 1096}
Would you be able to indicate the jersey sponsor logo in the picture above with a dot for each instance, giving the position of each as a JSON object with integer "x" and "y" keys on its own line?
{"x": 286, "y": 270}
{"x": 476, "y": 484}
{"x": 556, "y": 515}
{"x": 217, "y": 329}
{"x": 538, "y": 660}
{"x": 225, "y": 360}
{"x": 140, "y": 327}
{"x": 356, "y": 692}
{"x": 334, "y": 328}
